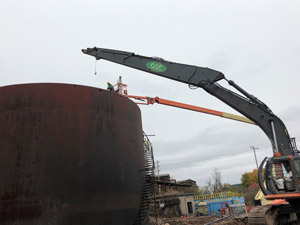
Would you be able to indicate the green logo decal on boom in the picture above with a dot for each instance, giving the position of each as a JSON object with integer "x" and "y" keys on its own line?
{"x": 156, "y": 67}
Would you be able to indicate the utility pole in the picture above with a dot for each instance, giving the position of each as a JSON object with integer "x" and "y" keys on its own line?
{"x": 157, "y": 167}
{"x": 254, "y": 148}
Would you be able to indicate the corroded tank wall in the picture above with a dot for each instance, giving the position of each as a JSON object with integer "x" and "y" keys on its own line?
{"x": 69, "y": 155}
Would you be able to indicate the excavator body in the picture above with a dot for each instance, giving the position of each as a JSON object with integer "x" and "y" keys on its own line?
{"x": 279, "y": 174}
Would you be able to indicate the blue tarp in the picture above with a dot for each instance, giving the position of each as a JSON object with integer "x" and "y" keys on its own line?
{"x": 214, "y": 205}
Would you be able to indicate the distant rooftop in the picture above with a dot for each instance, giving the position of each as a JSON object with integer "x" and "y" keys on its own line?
{"x": 185, "y": 181}
{"x": 163, "y": 175}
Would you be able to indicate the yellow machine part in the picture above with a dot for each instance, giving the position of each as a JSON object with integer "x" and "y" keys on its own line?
{"x": 203, "y": 210}
{"x": 260, "y": 196}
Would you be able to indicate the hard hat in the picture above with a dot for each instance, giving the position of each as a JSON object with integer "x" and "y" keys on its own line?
{"x": 108, "y": 83}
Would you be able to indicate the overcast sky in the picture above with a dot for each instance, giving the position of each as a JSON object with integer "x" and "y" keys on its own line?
{"x": 255, "y": 43}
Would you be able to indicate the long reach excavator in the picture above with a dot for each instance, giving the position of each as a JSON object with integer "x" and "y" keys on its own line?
{"x": 279, "y": 175}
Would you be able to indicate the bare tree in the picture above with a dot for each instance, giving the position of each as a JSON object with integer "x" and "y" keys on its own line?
{"x": 214, "y": 183}
{"x": 204, "y": 190}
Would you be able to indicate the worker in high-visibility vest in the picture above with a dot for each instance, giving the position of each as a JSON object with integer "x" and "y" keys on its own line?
{"x": 110, "y": 87}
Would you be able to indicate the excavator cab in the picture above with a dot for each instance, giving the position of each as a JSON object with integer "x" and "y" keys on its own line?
{"x": 281, "y": 175}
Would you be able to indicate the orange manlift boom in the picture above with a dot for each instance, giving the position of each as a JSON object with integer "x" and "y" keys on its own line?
{"x": 122, "y": 90}
{"x": 162, "y": 101}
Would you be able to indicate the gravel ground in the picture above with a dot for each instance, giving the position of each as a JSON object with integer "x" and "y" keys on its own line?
{"x": 194, "y": 221}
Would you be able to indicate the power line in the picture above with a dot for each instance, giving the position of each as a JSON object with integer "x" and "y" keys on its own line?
{"x": 182, "y": 163}
{"x": 211, "y": 156}
{"x": 189, "y": 166}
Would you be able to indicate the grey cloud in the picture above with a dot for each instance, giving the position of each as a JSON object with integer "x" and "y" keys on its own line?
{"x": 253, "y": 44}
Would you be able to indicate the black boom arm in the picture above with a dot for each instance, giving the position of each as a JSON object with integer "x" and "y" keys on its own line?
{"x": 206, "y": 78}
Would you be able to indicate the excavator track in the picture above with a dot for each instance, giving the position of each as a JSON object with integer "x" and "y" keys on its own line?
{"x": 274, "y": 215}
{"x": 262, "y": 215}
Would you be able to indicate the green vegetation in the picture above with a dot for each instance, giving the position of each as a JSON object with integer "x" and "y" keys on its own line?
{"x": 250, "y": 186}
{"x": 249, "y": 178}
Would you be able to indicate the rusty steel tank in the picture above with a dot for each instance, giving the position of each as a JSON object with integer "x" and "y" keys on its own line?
{"x": 69, "y": 155}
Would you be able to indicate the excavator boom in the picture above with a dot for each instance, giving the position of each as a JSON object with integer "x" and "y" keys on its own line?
{"x": 180, "y": 72}
{"x": 206, "y": 78}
